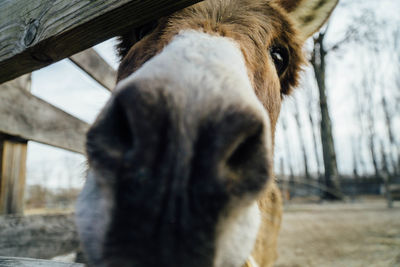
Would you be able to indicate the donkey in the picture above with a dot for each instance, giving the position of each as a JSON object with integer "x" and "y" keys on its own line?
{"x": 180, "y": 158}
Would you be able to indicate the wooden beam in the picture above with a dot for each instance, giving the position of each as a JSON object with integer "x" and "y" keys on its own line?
{"x": 38, "y": 236}
{"x": 12, "y": 176}
{"x": 23, "y": 262}
{"x": 37, "y": 33}
{"x": 28, "y": 117}
{"x": 96, "y": 67}
{"x": 13, "y": 163}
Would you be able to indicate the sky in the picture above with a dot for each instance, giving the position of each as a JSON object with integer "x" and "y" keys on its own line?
{"x": 344, "y": 72}
{"x": 65, "y": 86}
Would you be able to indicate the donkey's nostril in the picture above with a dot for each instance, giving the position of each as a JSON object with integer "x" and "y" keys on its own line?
{"x": 111, "y": 136}
{"x": 248, "y": 146}
{"x": 245, "y": 163}
{"x": 133, "y": 127}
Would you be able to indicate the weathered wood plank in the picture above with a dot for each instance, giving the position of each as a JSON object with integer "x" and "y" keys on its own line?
{"x": 25, "y": 262}
{"x": 12, "y": 176}
{"x": 38, "y": 236}
{"x": 13, "y": 163}
{"x": 96, "y": 67}
{"x": 39, "y": 32}
{"x": 31, "y": 118}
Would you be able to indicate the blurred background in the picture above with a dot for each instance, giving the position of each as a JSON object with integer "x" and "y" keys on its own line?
{"x": 337, "y": 147}
{"x": 354, "y": 68}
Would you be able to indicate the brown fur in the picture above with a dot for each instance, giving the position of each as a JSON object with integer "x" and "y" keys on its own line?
{"x": 290, "y": 5}
{"x": 270, "y": 205}
{"x": 256, "y": 26}
{"x": 269, "y": 25}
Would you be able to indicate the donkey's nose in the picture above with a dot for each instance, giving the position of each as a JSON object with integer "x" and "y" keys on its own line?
{"x": 150, "y": 128}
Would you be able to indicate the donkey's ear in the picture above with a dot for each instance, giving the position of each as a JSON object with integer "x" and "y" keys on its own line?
{"x": 309, "y": 15}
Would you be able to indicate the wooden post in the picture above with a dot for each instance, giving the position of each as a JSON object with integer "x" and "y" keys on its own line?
{"x": 12, "y": 176}
{"x": 13, "y": 163}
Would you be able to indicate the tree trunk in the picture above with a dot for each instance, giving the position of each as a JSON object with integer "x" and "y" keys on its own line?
{"x": 386, "y": 177}
{"x": 315, "y": 129}
{"x": 389, "y": 127}
{"x": 288, "y": 156}
{"x": 328, "y": 148}
{"x": 284, "y": 180}
{"x": 302, "y": 143}
{"x": 307, "y": 175}
{"x": 315, "y": 144}
{"x": 358, "y": 140}
{"x": 356, "y": 172}
{"x": 370, "y": 124}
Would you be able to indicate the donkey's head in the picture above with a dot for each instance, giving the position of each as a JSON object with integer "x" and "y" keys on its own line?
{"x": 182, "y": 151}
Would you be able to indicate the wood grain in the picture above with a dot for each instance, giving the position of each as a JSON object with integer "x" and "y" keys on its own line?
{"x": 13, "y": 163}
{"x": 12, "y": 177}
{"x": 37, "y": 236}
{"x": 24, "y": 262}
{"x": 96, "y": 67}
{"x": 36, "y": 33}
{"x": 28, "y": 117}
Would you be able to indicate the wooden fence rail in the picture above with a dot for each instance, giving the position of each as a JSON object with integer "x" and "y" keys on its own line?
{"x": 28, "y": 117}
{"x": 31, "y": 118}
{"x": 96, "y": 67}
{"x": 37, "y": 33}
{"x": 37, "y": 236}
{"x": 25, "y": 262}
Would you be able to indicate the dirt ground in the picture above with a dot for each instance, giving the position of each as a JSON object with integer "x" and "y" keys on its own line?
{"x": 361, "y": 234}
{"x": 365, "y": 233}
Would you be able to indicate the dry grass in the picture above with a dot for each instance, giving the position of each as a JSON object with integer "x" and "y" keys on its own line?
{"x": 360, "y": 234}
{"x": 38, "y": 211}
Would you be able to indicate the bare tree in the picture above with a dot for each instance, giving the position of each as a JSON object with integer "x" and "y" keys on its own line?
{"x": 302, "y": 142}
{"x": 288, "y": 153}
{"x": 367, "y": 82}
{"x": 314, "y": 129}
{"x": 389, "y": 128}
{"x": 318, "y": 61}
{"x": 385, "y": 176}
{"x": 396, "y": 49}
{"x": 359, "y": 138}
{"x": 356, "y": 172}
{"x": 363, "y": 30}
{"x": 284, "y": 181}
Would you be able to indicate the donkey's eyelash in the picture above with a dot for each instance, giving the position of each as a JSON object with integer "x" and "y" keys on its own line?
{"x": 281, "y": 58}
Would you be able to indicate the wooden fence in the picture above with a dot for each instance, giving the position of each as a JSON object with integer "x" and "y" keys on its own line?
{"x": 37, "y": 236}
{"x": 18, "y": 262}
{"x": 34, "y": 34}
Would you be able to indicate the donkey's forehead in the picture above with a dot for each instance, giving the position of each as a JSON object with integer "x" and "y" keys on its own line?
{"x": 255, "y": 24}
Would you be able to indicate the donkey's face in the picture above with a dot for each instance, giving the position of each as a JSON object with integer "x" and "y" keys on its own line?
{"x": 182, "y": 151}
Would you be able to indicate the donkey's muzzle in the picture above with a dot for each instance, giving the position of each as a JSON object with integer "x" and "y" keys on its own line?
{"x": 164, "y": 135}
{"x": 170, "y": 163}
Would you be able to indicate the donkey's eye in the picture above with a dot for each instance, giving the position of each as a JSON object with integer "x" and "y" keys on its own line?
{"x": 145, "y": 29}
{"x": 280, "y": 56}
